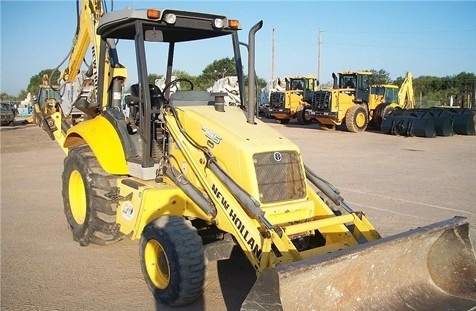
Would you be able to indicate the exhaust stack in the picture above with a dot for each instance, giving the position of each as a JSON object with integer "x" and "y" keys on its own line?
{"x": 251, "y": 73}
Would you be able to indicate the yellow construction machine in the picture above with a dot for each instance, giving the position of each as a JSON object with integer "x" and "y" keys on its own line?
{"x": 46, "y": 103}
{"x": 192, "y": 179}
{"x": 402, "y": 118}
{"x": 385, "y": 98}
{"x": 291, "y": 103}
{"x": 353, "y": 101}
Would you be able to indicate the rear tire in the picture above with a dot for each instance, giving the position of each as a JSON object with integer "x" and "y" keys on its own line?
{"x": 386, "y": 111}
{"x": 356, "y": 119}
{"x": 172, "y": 260}
{"x": 89, "y": 197}
{"x": 381, "y": 112}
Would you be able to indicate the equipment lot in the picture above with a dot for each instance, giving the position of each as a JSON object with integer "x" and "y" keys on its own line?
{"x": 399, "y": 182}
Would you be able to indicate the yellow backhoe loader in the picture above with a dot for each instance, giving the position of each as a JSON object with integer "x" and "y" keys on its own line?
{"x": 192, "y": 179}
{"x": 385, "y": 98}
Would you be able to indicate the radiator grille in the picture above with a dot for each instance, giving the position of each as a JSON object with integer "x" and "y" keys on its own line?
{"x": 279, "y": 176}
{"x": 276, "y": 100}
{"x": 322, "y": 101}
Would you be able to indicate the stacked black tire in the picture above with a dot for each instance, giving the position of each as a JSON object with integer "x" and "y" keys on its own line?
{"x": 430, "y": 122}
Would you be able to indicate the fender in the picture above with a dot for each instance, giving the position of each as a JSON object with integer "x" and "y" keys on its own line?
{"x": 100, "y": 135}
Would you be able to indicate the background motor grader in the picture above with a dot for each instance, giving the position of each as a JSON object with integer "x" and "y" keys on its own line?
{"x": 192, "y": 179}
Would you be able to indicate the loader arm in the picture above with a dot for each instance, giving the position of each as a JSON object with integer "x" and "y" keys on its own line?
{"x": 253, "y": 237}
{"x": 267, "y": 235}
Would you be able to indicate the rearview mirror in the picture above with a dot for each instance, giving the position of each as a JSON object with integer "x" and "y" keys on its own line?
{"x": 154, "y": 35}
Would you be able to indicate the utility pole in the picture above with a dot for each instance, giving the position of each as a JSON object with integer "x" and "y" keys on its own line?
{"x": 272, "y": 57}
{"x": 319, "y": 55}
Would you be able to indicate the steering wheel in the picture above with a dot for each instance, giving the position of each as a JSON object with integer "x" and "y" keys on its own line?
{"x": 174, "y": 82}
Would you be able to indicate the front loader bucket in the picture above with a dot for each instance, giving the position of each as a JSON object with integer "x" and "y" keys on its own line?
{"x": 409, "y": 122}
{"x": 464, "y": 121}
{"x": 429, "y": 268}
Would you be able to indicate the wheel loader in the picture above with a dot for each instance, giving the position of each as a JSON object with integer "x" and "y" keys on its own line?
{"x": 292, "y": 103}
{"x": 192, "y": 179}
{"x": 353, "y": 101}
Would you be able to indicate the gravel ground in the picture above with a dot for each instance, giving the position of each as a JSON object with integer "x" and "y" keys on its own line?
{"x": 399, "y": 182}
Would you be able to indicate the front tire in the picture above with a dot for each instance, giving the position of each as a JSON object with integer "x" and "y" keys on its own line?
{"x": 172, "y": 260}
{"x": 89, "y": 197}
{"x": 356, "y": 119}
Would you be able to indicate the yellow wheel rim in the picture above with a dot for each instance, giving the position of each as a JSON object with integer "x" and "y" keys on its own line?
{"x": 360, "y": 119}
{"x": 77, "y": 197}
{"x": 157, "y": 264}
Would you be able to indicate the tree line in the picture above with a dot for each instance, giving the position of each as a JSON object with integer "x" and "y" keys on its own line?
{"x": 428, "y": 88}
{"x": 434, "y": 89}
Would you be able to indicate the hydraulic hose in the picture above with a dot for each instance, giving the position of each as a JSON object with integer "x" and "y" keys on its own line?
{"x": 191, "y": 191}
{"x": 330, "y": 191}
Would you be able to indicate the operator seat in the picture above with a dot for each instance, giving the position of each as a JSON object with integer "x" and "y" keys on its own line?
{"x": 156, "y": 97}
{"x": 350, "y": 84}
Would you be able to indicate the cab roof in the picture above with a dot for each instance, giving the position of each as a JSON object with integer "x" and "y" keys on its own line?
{"x": 188, "y": 26}
{"x": 355, "y": 72}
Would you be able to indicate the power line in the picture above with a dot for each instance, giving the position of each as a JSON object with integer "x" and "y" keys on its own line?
{"x": 400, "y": 47}
{"x": 400, "y": 32}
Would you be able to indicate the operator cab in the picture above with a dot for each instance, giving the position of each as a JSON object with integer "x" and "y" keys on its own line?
{"x": 389, "y": 93}
{"x": 156, "y": 37}
{"x": 356, "y": 83}
{"x": 305, "y": 84}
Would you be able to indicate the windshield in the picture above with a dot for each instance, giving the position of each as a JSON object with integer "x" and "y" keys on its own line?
{"x": 391, "y": 95}
{"x": 46, "y": 93}
{"x": 297, "y": 84}
{"x": 6, "y": 107}
{"x": 158, "y": 55}
{"x": 347, "y": 81}
{"x": 377, "y": 90}
{"x": 201, "y": 63}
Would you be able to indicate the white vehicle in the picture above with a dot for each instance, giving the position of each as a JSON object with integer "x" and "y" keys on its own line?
{"x": 228, "y": 85}
{"x": 160, "y": 82}
{"x": 275, "y": 85}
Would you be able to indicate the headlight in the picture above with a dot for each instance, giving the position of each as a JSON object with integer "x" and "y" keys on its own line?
{"x": 219, "y": 23}
{"x": 170, "y": 18}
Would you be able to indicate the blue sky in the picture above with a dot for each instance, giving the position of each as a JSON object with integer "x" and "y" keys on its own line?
{"x": 435, "y": 38}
